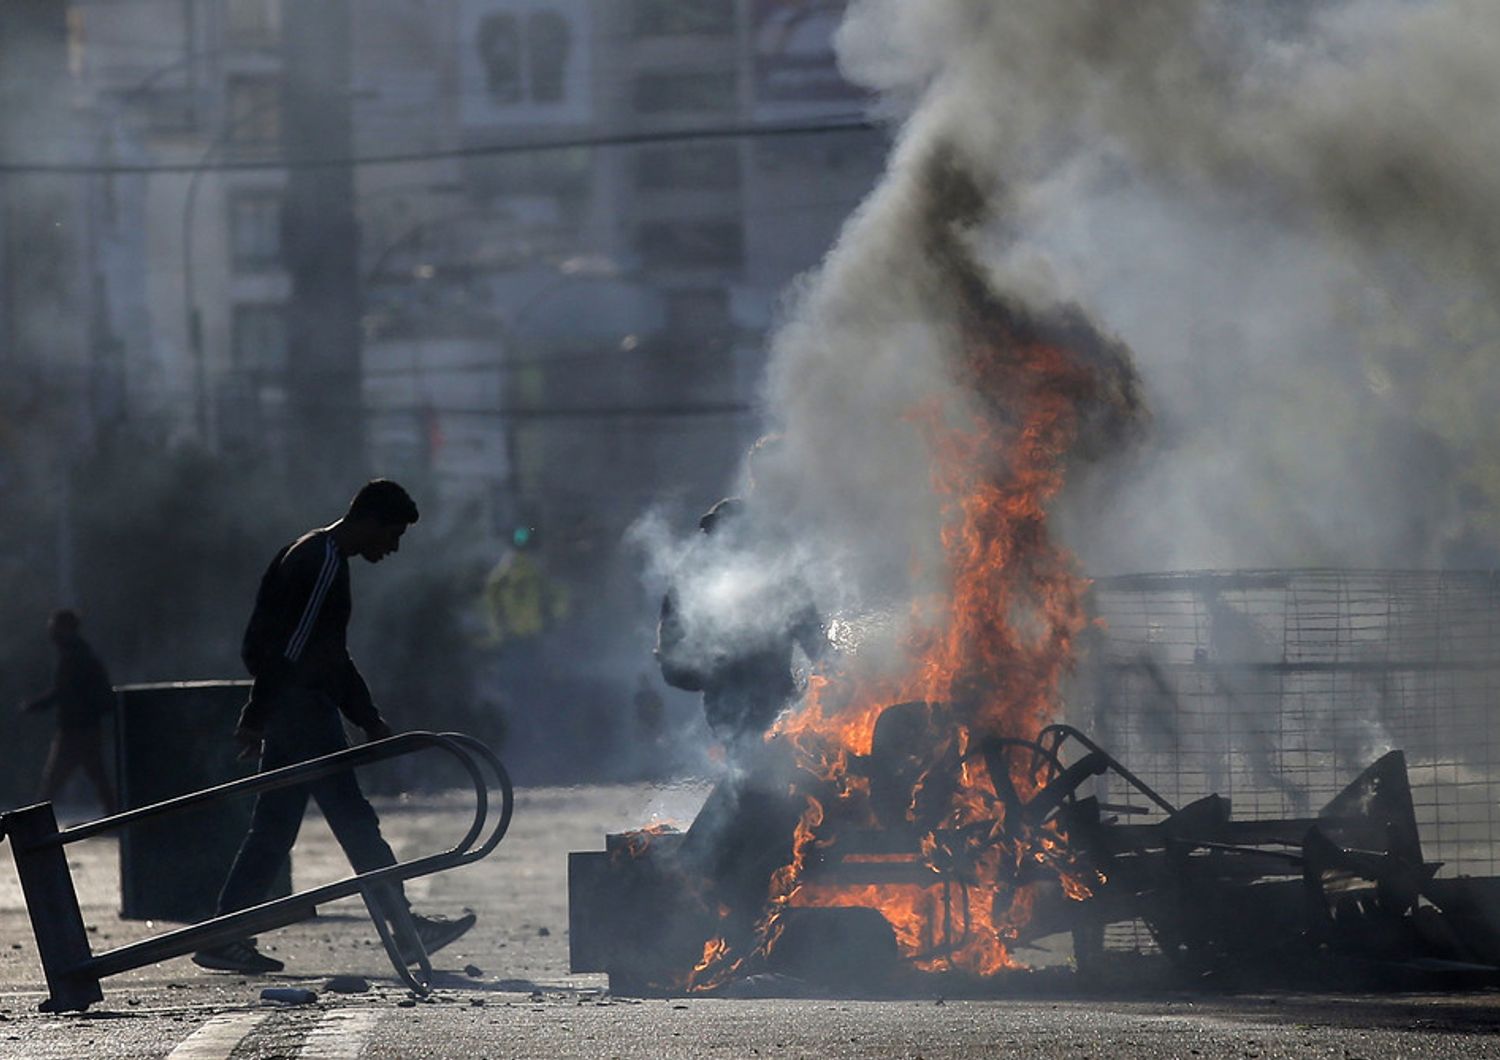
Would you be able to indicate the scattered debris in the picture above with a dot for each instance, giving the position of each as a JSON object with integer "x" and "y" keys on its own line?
{"x": 473, "y": 971}
{"x": 768, "y": 984}
{"x": 289, "y": 995}
{"x": 347, "y": 984}
{"x": 1344, "y": 897}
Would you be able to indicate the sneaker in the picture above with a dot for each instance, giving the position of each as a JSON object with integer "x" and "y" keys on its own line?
{"x": 435, "y": 933}
{"x": 237, "y": 956}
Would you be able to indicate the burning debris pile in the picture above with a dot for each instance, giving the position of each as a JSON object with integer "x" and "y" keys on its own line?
{"x": 923, "y": 828}
{"x": 916, "y": 863}
{"x": 914, "y": 800}
{"x": 909, "y": 827}
{"x": 919, "y": 813}
{"x": 894, "y": 890}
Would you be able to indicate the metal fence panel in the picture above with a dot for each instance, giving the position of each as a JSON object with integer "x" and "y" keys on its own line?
{"x": 1275, "y": 688}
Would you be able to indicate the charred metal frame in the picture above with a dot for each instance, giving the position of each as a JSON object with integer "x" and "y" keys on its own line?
{"x": 1347, "y": 892}
{"x": 1344, "y": 897}
{"x": 1274, "y": 687}
{"x": 1268, "y": 692}
{"x": 73, "y": 971}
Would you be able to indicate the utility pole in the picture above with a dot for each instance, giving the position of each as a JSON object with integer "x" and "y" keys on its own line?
{"x": 321, "y": 249}
{"x": 44, "y": 318}
{"x": 35, "y": 226}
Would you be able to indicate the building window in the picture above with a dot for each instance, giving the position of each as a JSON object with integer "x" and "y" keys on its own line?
{"x": 259, "y": 339}
{"x": 657, "y": 92}
{"x": 500, "y": 54}
{"x": 254, "y": 117}
{"x": 255, "y": 230}
{"x": 525, "y": 57}
{"x": 663, "y": 18}
{"x": 692, "y": 244}
{"x": 713, "y": 167}
{"x": 253, "y": 23}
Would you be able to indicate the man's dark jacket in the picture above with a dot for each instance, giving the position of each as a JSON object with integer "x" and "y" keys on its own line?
{"x": 296, "y": 634}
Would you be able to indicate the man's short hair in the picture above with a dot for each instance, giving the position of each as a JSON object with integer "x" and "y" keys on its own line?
{"x": 65, "y": 620}
{"x": 385, "y": 502}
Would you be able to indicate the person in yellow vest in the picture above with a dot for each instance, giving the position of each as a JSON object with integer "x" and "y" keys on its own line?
{"x": 520, "y": 599}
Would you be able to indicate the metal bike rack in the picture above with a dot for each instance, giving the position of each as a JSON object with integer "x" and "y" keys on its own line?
{"x": 73, "y": 970}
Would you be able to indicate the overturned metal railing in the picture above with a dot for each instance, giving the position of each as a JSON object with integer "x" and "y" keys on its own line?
{"x": 73, "y": 970}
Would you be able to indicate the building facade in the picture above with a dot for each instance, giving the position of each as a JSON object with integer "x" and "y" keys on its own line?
{"x": 553, "y": 339}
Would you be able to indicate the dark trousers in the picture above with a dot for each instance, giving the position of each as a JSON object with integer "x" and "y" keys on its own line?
{"x": 304, "y": 724}
{"x": 77, "y": 748}
{"x": 743, "y": 699}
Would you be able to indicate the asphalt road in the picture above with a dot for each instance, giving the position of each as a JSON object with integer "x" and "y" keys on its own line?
{"x": 518, "y": 999}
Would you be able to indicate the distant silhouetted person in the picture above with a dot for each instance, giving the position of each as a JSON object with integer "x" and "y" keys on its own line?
{"x": 294, "y": 647}
{"x": 82, "y": 694}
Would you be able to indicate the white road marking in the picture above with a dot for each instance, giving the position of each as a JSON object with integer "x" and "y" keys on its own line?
{"x": 340, "y": 1035}
{"x": 216, "y": 1039}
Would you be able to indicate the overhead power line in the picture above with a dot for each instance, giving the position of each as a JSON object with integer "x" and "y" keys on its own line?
{"x": 578, "y": 412}
{"x": 566, "y": 143}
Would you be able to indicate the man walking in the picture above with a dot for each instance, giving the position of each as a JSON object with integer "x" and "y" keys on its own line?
{"x": 294, "y": 647}
{"x": 82, "y": 694}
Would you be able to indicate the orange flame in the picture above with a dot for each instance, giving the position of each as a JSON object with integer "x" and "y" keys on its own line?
{"x": 995, "y": 649}
{"x": 639, "y": 841}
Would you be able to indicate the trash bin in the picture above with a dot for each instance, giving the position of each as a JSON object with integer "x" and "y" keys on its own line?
{"x": 172, "y": 739}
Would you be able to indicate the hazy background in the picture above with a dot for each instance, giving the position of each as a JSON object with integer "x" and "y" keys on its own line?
{"x": 1280, "y": 210}
{"x": 1284, "y": 210}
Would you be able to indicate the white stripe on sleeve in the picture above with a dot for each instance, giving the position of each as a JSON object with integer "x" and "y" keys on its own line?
{"x": 314, "y": 602}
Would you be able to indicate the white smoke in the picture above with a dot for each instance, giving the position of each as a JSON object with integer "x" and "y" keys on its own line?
{"x": 1286, "y": 211}
{"x": 1283, "y": 209}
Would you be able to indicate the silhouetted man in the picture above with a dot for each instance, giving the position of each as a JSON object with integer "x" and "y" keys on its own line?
{"x": 294, "y": 647}
{"x": 82, "y": 694}
{"x": 735, "y": 613}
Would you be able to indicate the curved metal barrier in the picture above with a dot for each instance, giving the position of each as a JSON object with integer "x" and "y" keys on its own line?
{"x": 73, "y": 971}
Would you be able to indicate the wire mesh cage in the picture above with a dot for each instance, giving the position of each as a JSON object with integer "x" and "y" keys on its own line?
{"x": 1276, "y": 688}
